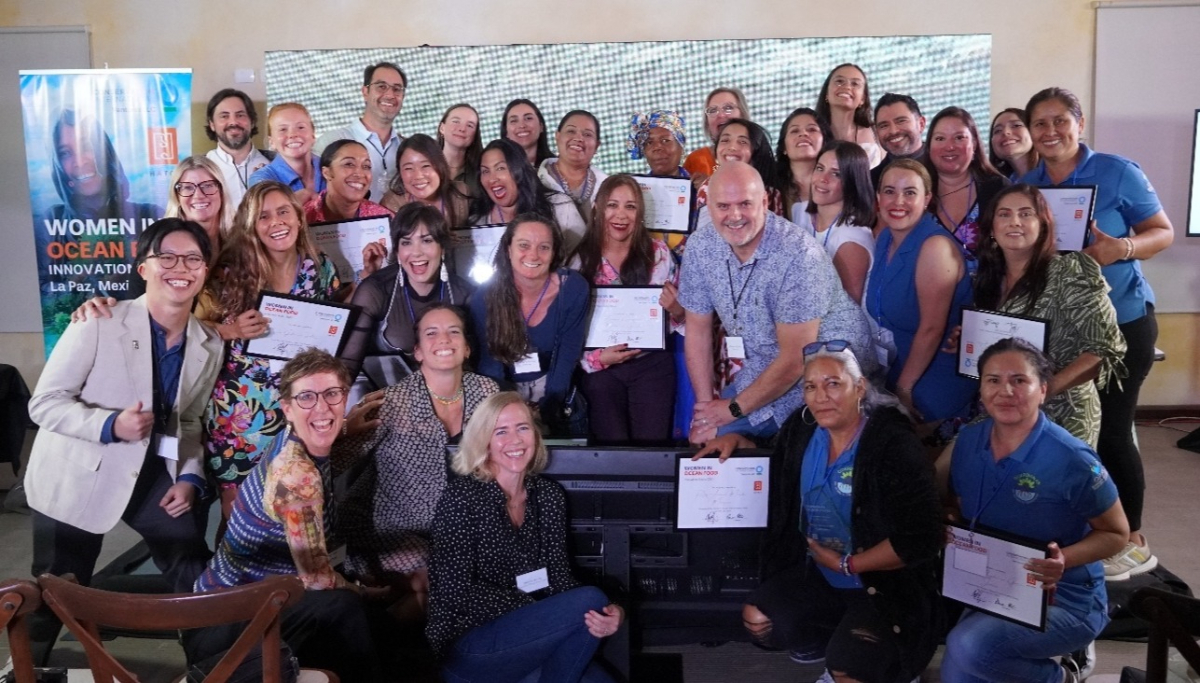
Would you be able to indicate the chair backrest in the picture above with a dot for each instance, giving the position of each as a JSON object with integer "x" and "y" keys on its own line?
{"x": 1174, "y": 620}
{"x": 18, "y": 598}
{"x": 83, "y": 610}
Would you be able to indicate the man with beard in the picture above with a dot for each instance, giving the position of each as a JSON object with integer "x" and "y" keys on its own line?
{"x": 900, "y": 129}
{"x": 233, "y": 124}
{"x": 775, "y": 291}
{"x": 383, "y": 94}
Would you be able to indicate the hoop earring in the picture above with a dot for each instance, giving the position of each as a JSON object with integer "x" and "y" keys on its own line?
{"x": 806, "y": 413}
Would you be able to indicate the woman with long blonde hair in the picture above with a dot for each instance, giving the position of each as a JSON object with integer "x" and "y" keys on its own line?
{"x": 198, "y": 194}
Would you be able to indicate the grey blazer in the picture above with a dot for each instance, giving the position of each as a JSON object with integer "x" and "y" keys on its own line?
{"x": 100, "y": 366}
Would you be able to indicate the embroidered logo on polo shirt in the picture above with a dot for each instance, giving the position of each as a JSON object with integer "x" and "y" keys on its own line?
{"x": 845, "y": 481}
{"x": 1099, "y": 476}
{"x": 1024, "y": 491}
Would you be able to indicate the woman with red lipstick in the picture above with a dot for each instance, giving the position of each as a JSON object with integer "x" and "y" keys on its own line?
{"x": 1010, "y": 148}
{"x": 346, "y": 167}
{"x": 964, "y": 181}
{"x": 269, "y": 250}
{"x": 801, "y": 138}
{"x": 423, "y": 176}
{"x": 380, "y": 350}
{"x": 198, "y": 194}
{"x": 503, "y": 605}
{"x": 571, "y": 172}
{"x": 1130, "y": 226}
{"x": 915, "y": 294}
{"x": 532, "y": 317}
{"x": 524, "y": 124}
{"x": 631, "y": 393}
{"x": 511, "y": 187}
{"x": 844, "y": 103}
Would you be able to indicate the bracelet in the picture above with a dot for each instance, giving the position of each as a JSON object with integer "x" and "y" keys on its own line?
{"x": 1128, "y": 248}
{"x": 846, "y": 565}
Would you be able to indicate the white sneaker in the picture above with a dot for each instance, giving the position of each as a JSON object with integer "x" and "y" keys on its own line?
{"x": 1131, "y": 561}
{"x": 825, "y": 678}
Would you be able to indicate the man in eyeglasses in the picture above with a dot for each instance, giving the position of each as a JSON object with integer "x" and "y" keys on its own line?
{"x": 119, "y": 405}
{"x": 775, "y": 291}
{"x": 233, "y": 125}
{"x": 383, "y": 95}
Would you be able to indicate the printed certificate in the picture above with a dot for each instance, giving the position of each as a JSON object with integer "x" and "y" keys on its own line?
{"x": 986, "y": 572}
{"x": 343, "y": 242}
{"x": 1072, "y": 207}
{"x": 668, "y": 203}
{"x": 722, "y": 495}
{"x": 627, "y": 315}
{"x": 474, "y": 250}
{"x": 297, "y": 324}
{"x": 981, "y": 329}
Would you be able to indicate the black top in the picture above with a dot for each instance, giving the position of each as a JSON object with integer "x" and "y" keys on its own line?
{"x": 478, "y": 554}
{"x": 894, "y": 497}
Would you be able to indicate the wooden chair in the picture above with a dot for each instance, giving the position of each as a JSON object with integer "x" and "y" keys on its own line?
{"x": 1174, "y": 620}
{"x": 18, "y": 598}
{"x": 83, "y": 610}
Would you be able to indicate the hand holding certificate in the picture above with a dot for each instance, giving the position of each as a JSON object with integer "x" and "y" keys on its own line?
{"x": 981, "y": 329}
{"x": 722, "y": 495}
{"x": 627, "y": 315}
{"x": 343, "y": 242}
{"x": 989, "y": 573}
{"x": 298, "y": 324}
{"x": 668, "y": 203}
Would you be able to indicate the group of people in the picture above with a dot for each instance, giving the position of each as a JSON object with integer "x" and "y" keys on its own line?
{"x": 872, "y": 230}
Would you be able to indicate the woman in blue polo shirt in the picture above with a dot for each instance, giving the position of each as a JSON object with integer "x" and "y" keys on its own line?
{"x": 1130, "y": 226}
{"x": 1020, "y": 473}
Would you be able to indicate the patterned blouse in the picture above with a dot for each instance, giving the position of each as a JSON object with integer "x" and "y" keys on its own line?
{"x": 244, "y": 414}
{"x": 663, "y": 271}
{"x": 279, "y": 523}
{"x": 388, "y": 509}
{"x": 478, "y": 554}
{"x": 1082, "y": 320}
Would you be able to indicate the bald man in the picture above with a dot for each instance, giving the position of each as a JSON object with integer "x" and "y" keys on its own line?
{"x": 775, "y": 290}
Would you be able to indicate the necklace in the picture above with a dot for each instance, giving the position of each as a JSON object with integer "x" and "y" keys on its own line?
{"x": 960, "y": 188}
{"x": 448, "y": 401}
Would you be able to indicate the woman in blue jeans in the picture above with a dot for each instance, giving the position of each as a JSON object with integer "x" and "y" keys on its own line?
{"x": 503, "y": 605}
{"x": 1020, "y": 473}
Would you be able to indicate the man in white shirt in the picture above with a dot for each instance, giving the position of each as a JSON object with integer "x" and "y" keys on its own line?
{"x": 383, "y": 95}
{"x": 233, "y": 125}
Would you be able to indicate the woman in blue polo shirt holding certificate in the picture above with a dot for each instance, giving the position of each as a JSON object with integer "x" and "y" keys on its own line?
{"x": 1018, "y": 472}
{"x": 1130, "y": 226}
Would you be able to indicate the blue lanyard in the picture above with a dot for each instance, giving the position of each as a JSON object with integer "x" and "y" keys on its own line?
{"x": 982, "y": 504}
{"x": 413, "y": 316}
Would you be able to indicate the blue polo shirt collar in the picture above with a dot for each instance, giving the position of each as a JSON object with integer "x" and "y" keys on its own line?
{"x": 1023, "y": 452}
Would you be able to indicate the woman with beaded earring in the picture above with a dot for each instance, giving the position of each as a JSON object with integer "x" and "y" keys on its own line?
{"x": 380, "y": 348}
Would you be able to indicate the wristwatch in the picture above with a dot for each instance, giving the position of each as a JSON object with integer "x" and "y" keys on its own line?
{"x": 735, "y": 410}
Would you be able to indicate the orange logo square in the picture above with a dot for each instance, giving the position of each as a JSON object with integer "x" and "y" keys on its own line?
{"x": 163, "y": 146}
{"x": 758, "y": 485}
{"x": 333, "y": 329}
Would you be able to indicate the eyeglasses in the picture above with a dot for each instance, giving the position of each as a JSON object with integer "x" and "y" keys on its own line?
{"x": 308, "y": 399}
{"x": 190, "y": 261}
{"x": 208, "y": 187}
{"x": 381, "y": 88}
{"x": 832, "y": 346}
{"x": 728, "y": 110}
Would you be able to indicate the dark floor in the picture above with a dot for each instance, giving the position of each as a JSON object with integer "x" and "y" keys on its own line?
{"x": 1173, "y": 480}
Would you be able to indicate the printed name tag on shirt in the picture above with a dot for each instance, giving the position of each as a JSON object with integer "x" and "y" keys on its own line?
{"x": 529, "y": 363}
{"x": 168, "y": 447}
{"x": 735, "y": 347}
{"x": 337, "y": 556}
{"x": 535, "y": 580}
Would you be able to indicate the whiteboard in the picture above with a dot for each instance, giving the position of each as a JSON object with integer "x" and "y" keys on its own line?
{"x": 51, "y": 47}
{"x": 1147, "y": 92}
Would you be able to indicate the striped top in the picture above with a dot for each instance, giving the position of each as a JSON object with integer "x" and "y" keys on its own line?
{"x": 255, "y": 544}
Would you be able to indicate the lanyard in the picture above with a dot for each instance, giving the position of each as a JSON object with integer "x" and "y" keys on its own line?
{"x": 413, "y": 316}
{"x": 377, "y": 148}
{"x": 737, "y": 300}
{"x": 539, "y": 301}
{"x": 828, "y": 231}
{"x": 983, "y": 482}
{"x": 243, "y": 179}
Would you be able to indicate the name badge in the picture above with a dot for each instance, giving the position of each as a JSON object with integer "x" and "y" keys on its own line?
{"x": 168, "y": 447}
{"x": 535, "y": 580}
{"x": 337, "y": 556}
{"x": 529, "y": 363}
{"x": 735, "y": 347}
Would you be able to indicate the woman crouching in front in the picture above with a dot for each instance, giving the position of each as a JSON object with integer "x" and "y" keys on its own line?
{"x": 503, "y": 605}
{"x": 850, "y": 556}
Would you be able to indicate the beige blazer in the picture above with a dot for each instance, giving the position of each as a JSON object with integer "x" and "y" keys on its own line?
{"x": 98, "y": 367}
